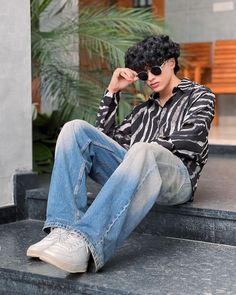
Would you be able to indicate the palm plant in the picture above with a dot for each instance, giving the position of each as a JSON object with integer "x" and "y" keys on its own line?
{"x": 101, "y": 35}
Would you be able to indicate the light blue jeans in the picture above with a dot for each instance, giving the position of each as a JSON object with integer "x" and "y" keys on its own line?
{"x": 132, "y": 182}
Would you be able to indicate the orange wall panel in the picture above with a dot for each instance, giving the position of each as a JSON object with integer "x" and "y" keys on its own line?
{"x": 83, "y": 3}
{"x": 158, "y": 7}
{"x": 125, "y": 3}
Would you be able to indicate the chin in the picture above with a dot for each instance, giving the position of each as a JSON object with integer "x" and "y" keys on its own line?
{"x": 158, "y": 88}
{"x": 155, "y": 88}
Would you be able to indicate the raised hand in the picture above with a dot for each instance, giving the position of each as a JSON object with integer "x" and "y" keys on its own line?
{"x": 121, "y": 78}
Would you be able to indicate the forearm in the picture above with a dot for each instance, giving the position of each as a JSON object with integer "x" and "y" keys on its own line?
{"x": 107, "y": 110}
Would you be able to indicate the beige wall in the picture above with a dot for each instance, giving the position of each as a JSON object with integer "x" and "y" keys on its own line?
{"x": 15, "y": 94}
{"x": 200, "y": 21}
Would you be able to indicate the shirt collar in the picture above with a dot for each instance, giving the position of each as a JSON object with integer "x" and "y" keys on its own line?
{"x": 184, "y": 85}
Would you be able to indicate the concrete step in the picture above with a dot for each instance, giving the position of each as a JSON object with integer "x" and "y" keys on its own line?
{"x": 211, "y": 217}
{"x": 219, "y": 149}
{"x": 145, "y": 264}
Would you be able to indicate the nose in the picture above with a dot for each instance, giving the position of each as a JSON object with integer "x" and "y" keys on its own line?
{"x": 150, "y": 76}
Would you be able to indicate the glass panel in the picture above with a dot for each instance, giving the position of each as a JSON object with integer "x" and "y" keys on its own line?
{"x": 142, "y": 3}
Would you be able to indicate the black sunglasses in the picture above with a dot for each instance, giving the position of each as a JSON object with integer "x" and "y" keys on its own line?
{"x": 156, "y": 70}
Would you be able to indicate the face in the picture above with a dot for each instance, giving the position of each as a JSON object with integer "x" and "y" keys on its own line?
{"x": 160, "y": 82}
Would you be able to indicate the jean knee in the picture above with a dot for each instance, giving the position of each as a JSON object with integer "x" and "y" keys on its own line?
{"x": 145, "y": 147}
{"x": 73, "y": 125}
{"x": 139, "y": 148}
{"x": 67, "y": 132}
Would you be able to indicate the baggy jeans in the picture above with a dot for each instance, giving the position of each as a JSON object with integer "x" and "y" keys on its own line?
{"x": 132, "y": 182}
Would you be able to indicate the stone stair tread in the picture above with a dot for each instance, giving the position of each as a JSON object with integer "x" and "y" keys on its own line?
{"x": 216, "y": 193}
{"x": 146, "y": 264}
{"x": 217, "y": 185}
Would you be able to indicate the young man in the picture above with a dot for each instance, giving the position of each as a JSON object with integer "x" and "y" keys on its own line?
{"x": 155, "y": 155}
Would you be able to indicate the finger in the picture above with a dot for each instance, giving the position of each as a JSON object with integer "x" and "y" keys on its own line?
{"x": 128, "y": 75}
{"x": 125, "y": 76}
{"x": 134, "y": 73}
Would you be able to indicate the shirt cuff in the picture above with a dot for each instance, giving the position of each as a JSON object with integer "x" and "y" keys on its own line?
{"x": 108, "y": 93}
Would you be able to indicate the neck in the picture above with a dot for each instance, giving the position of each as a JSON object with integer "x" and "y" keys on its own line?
{"x": 166, "y": 93}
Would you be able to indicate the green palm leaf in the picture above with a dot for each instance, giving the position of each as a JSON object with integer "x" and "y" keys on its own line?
{"x": 103, "y": 34}
{"x": 109, "y": 31}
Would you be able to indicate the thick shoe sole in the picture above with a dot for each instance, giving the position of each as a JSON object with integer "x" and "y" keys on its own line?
{"x": 68, "y": 267}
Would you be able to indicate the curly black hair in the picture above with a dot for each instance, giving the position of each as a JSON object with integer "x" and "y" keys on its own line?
{"x": 152, "y": 51}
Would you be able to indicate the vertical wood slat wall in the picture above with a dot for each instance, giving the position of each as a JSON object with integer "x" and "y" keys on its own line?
{"x": 125, "y": 3}
{"x": 158, "y": 6}
{"x": 83, "y": 3}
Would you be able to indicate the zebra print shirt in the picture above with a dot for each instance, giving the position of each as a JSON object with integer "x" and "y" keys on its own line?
{"x": 181, "y": 125}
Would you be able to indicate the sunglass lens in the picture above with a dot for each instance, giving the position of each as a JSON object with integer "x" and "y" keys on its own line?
{"x": 156, "y": 70}
{"x": 143, "y": 76}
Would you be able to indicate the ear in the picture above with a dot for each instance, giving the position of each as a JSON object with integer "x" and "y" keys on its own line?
{"x": 172, "y": 63}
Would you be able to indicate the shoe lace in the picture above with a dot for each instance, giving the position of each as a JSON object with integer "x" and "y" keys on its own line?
{"x": 75, "y": 241}
{"x": 60, "y": 233}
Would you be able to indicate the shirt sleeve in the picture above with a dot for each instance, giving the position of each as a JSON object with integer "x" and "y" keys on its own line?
{"x": 191, "y": 139}
{"x": 106, "y": 116}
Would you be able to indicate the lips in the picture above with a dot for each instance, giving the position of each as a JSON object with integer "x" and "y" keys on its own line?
{"x": 154, "y": 85}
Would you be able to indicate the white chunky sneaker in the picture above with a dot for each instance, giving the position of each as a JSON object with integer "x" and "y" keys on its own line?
{"x": 56, "y": 235}
{"x": 71, "y": 254}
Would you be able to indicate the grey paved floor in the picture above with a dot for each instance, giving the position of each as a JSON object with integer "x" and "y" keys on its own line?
{"x": 144, "y": 265}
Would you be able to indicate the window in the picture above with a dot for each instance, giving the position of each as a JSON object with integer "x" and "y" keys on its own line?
{"x": 142, "y": 3}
